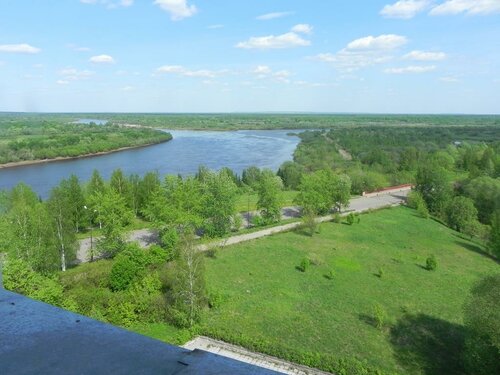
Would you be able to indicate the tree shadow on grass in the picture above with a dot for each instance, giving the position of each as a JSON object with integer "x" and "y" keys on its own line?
{"x": 426, "y": 344}
{"x": 474, "y": 248}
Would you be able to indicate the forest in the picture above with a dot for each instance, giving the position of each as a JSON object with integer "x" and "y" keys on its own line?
{"x": 25, "y": 138}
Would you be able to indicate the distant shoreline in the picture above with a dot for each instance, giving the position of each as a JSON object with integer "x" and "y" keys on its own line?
{"x": 64, "y": 158}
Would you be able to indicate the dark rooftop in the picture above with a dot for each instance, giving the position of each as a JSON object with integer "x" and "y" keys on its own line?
{"x": 36, "y": 338}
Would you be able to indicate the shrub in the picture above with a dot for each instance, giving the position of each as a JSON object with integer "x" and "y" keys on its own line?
{"x": 212, "y": 252}
{"x": 337, "y": 218}
{"x": 350, "y": 219}
{"x": 309, "y": 222}
{"x": 304, "y": 265}
{"x": 315, "y": 259}
{"x": 122, "y": 313}
{"x": 237, "y": 222}
{"x": 330, "y": 274}
{"x": 157, "y": 255}
{"x": 431, "y": 263}
{"x": 379, "y": 316}
{"x": 380, "y": 272}
{"x": 215, "y": 299}
{"x": 127, "y": 267}
{"x": 169, "y": 239}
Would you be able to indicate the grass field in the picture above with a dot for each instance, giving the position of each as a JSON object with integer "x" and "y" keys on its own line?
{"x": 268, "y": 299}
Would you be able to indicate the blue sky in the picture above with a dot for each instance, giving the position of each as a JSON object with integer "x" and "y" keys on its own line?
{"x": 388, "y": 56}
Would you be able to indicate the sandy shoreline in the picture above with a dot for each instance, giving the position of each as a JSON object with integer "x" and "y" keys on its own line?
{"x": 64, "y": 158}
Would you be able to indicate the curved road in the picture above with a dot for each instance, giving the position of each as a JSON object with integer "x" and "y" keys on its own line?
{"x": 147, "y": 237}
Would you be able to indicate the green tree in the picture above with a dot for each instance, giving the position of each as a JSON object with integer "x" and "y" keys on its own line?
{"x": 494, "y": 243}
{"x": 431, "y": 182}
{"x": 251, "y": 177}
{"x": 461, "y": 213}
{"x": 60, "y": 210}
{"x": 270, "y": 200}
{"x": 291, "y": 173}
{"x": 188, "y": 285}
{"x": 133, "y": 196}
{"x": 119, "y": 183}
{"x": 19, "y": 277}
{"x": 114, "y": 215}
{"x": 76, "y": 201}
{"x": 219, "y": 194}
{"x": 128, "y": 266}
{"x": 148, "y": 186}
{"x": 28, "y": 234}
{"x": 321, "y": 190}
{"x": 96, "y": 184}
{"x": 482, "y": 320}
{"x": 485, "y": 192}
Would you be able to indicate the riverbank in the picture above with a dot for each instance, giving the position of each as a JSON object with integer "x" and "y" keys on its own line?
{"x": 64, "y": 158}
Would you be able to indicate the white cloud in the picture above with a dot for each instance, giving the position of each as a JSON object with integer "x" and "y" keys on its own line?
{"x": 274, "y": 15}
{"x": 182, "y": 71}
{"x": 19, "y": 48}
{"x": 213, "y": 27}
{"x": 413, "y": 69}
{"x": 470, "y": 7}
{"x": 178, "y": 9}
{"x": 265, "y": 72}
{"x": 425, "y": 56}
{"x": 62, "y": 82}
{"x": 449, "y": 79}
{"x": 363, "y": 52}
{"x": 77, "y": 48}
{"x": 302, "y": 28}
{"x": 72, "y": 74}
{"x": 405, "y": 9}
{"x": 290, "y": 39}
{"x": 381, "y": 42}
{"x": 111, "y": 4}
{"x": 127, "y": 88}
{"x": 102, "y": 59}
{"x": 262, "y": 69}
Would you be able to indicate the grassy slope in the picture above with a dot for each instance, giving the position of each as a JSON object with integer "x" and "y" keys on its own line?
{"x": 269, "y": 299}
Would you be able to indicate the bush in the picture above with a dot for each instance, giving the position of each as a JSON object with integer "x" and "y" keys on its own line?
{"x": 304, "y": 265}
{"x": 350, "y": 219}
{"x": 309, "y": 222}
{"x": 122, "y": 313}
{"x": 330, "y": 274}
{"x": 127, "y": 267}
{"x": 380, "y": 272}
{"x": 431, "y": 263}
{"x": 337, "y": 218}
{"x": 169, "y": 239}
{"x": 379, "y": 316}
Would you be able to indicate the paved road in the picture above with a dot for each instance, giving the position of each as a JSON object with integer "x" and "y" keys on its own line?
{"x": 147, "y": 237}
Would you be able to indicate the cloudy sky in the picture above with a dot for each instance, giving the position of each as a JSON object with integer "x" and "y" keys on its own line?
{"x": 378, "y": 56}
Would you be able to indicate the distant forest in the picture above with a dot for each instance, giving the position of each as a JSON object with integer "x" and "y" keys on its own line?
{"x": 36, "y": 137}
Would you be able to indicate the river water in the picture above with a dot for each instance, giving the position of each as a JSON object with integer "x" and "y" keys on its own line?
{"x": 182, "y": 155}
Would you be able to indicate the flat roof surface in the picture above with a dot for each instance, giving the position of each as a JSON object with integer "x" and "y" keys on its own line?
{"x": 36, "y": 338}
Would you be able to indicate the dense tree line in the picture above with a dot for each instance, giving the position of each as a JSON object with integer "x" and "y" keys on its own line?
{"x": 456, "y": 170}
{"x": 23, "y": 139}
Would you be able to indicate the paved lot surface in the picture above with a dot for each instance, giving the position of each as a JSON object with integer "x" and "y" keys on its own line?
{"x": 147, "y": 237}
{"x": 243, "y": 355}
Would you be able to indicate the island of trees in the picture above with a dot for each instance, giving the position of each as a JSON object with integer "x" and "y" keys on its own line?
{"x": 30, "y": 138}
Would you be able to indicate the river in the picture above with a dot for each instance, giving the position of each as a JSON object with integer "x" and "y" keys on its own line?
{"x": 182, "y": 155}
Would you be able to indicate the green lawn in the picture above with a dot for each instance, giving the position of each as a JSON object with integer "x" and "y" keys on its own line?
{"x": 268, "y": 300}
